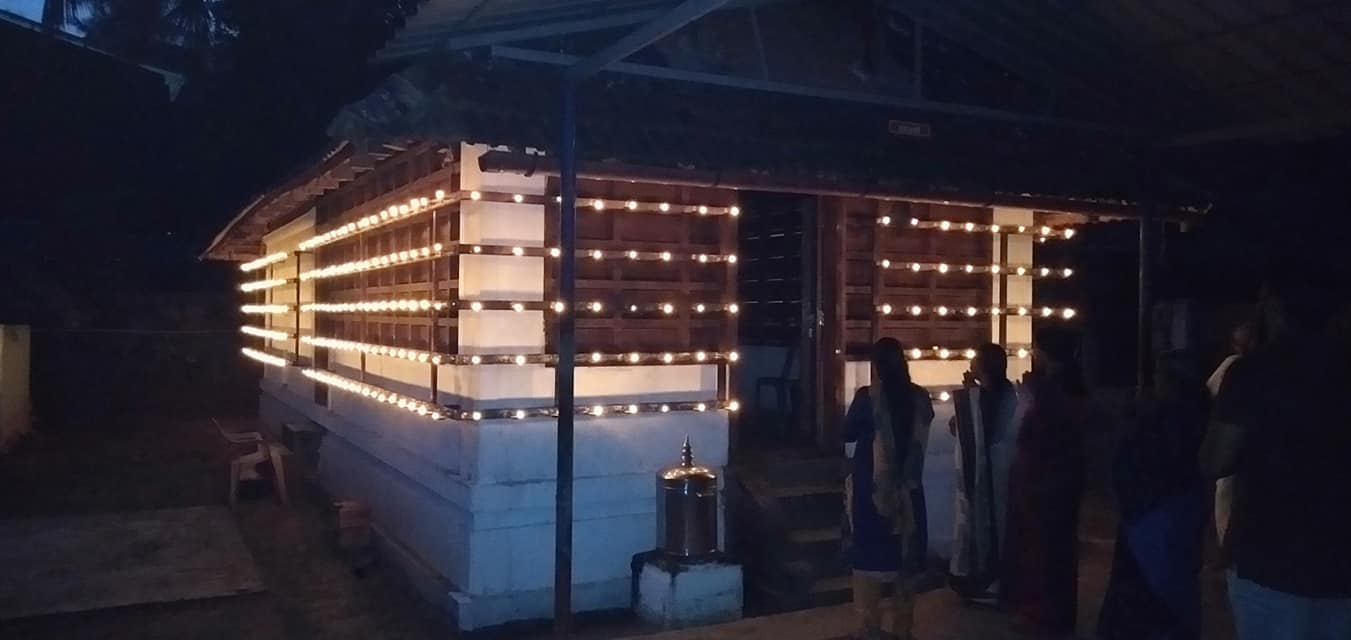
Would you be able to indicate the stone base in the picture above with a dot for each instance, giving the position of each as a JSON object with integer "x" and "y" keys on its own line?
{"x": 674, "y": 595}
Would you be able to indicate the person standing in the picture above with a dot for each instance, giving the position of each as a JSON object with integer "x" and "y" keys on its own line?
{"x": 1244, "y": 341}
{"x": 1155, "y": 586}
{"x": 986, "y": 411}
{"x": 886, "y": 429}
{"x": 1041, "y": 550}
{"x": 1280, "y": 428}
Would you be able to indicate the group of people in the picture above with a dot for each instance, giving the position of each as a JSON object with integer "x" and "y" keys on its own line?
{"x": 1267, "y": 436}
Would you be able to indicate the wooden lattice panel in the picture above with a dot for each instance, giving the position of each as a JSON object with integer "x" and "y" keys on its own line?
{"x": 869, "y": 286}
{"x": 618, "y": 282}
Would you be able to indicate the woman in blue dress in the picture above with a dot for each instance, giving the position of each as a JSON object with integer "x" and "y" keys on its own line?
{"x": 886, "y": 430}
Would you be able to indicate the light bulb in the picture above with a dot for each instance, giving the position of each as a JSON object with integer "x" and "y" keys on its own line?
{"x": 477, "y": 249}
{"x": 886, "y": 309}
{"x": 1069, "y": 233}
{"x": 703, "y": 211}
{"x": 733, "y": 308}
{"x": 597, "y": 254}
{"x": 598, "y": 204}
{"x": 476, "y": 306}
{"x": 1068, "y": 272}
{"x": 597, "y": 410}
{"x": 944, "y": 354}
{"x": 517, "y": 307}
{"x": 1022, "y": 311}
{"x": 666, "y": 256}
{"x": 633, "y": 408}
{"x": 916, "y": 354}
{"x": 632, "y": 205}
{"x": 972, "y": 311}
{"x": 1068, "y": 314}
{"x": 668, "y": 308}
{"x": 701, "y": 356}
{"x": 667, "y": 358}
{"x": 555, "y": 252}
{"x": 943, "y": 268}
{"x": 942, "y": 311}
{"x": 1046, "y": 312}
{"x": 703, "y": 258}
{"x": 914, "y": 222}
{"x": 633, "y": 255}
{"x": 701, "y": 407}
{"x": 476, "y": 415}
{"x": 474, "y": 195}
{"x": 1046, "y": 231}
{"x": 970, "y": 226}
{"x": 475, "y": 360}
{"x": 994, "y": 268}
{"x": 595, "y": 356}
{"x": 969, "y": 354}
{"x": 519, "y": 360}
{"x": 733, "y": 356}
{"x": 735, "y": 211}
{"x": 884, "y": 220}
{"x": 520, "y": 414}
{"x": 665, "y": 408}
{"x": 1022, "y": 271}
{"x": 596, "y": 306}
{"x": 699, "y": 308}
{"x": 664, "y": 207}
{"x": 635, "y": 357}
{"x": 945, "y": 225}
{"x": 916, "y": 310}
{"x": 1022, "y": 229}
{"x": 915, "y": 266}
{"x": 970, "y": 268}
{"x": 518, "y": 198}
{"x": 733, "y": 406}
{"x": 559, "y": 307}
{"x": 440, "y": 194}
{"x": 517, "y": 251}
{"x": 1045, "y": 271}
{"x": 731, "y": 259}
{"x": 886, "y": 264}
{"x": 944, "y": 396}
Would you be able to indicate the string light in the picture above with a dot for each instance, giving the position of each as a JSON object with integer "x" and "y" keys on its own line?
{"x": 1044, "y": 231}
{"x": 971, "y": 312}
{"x": 598, "y": 306}
{"x": 375, "y": 306}
{"x": 415, "y": 355}
{"x": 264, "y": 261}
{"x": 259, "y": 285}
{"x": 595, "y": 358}
{"x": 412, "y": 405}
{"x": 370, "y": 264}
{"x": 265, "y": 358}
{"x": 264, "y": 333}
{"x": 594, "y": 410}
{"x": 388, "y": 215}
{"x": 265, "y": 308}
{"x": 948, "y": 353}
{"x": 631, "y": 205}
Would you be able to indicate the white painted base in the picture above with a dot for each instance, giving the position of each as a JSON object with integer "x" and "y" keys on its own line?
{"x": 692, "y": 595}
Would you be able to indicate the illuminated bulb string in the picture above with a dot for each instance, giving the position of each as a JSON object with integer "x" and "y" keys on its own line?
{"x": 414, "y": 355}
{"x": 599, "y": 410}
{"x": 952, "y": 353}
{"x": 1042, "y": 231}
{"x": 375, "y": 306}
{"x": 258, "y": 332}
{"x": 943, "y": 268}
{"x": 394, "y": 259}
{"x": 265, "y": 358}
{"x": 388, "y": 215}
{"x": 412, "y": 405}
{"x": 593, "y": 359}
{"x": 602, "y": 306}
{"x": 264, "y": 309}
{"x": 259, "y": 285}
{"x": 972, "y": 312}
{"x": 254, "y": 265}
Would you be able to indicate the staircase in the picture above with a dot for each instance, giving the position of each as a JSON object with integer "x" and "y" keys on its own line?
{"x": 787, "y": 509}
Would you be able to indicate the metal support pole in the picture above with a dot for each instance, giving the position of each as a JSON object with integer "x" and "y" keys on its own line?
{"x": 433, "y": 327}
{"x": 1145, "y": 329}
{"x": 567, "y": 350}
{"x": 1003, "y": 318}
{"x": 296, "y": 337}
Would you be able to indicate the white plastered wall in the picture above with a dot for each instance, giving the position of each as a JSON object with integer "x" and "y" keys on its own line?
{"x": 471, "y": 504}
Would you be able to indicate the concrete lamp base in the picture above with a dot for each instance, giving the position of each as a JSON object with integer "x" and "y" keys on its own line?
{"x": 674, "y": 595}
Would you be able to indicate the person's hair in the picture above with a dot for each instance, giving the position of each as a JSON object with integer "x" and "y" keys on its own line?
{"x": 1063, "y": 350}
{"x": 994, "y": 359}
{"x": 893, "y": 383}
{"x": 1299, "y": 299}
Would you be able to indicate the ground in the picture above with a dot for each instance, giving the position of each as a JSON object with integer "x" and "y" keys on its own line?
{"x": 313, "y": 592}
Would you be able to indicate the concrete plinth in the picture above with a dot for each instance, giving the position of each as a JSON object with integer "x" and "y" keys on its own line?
{"x": 675, "y": 595}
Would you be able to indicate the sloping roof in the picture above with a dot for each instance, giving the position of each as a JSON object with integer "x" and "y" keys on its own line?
{"x": 239, "y": 240}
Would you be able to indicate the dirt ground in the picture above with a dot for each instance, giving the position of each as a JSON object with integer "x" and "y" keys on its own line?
{"x": 313, "y": 592}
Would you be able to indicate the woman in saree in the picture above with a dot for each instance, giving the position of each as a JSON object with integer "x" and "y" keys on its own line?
{"x": 1155, "y": 589}
{"x": 984, "y": 426}
{"x": 886, "y": 430}
{"x": 1041, "y": 550}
